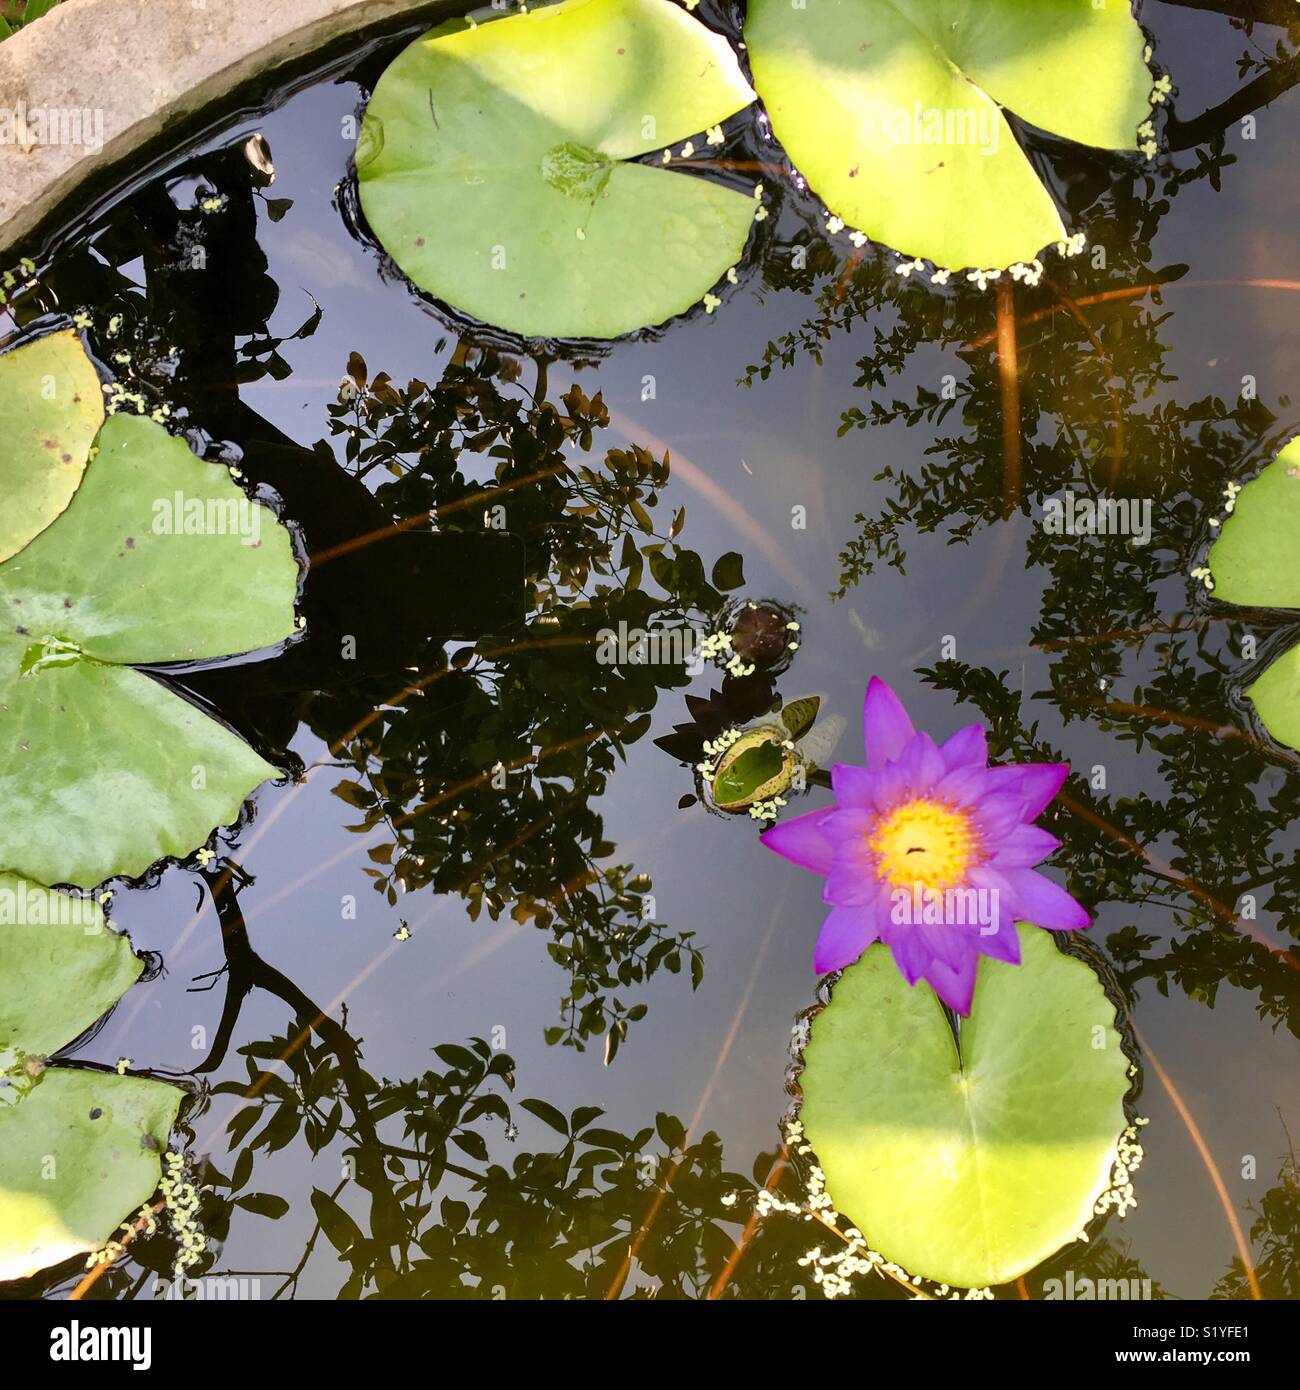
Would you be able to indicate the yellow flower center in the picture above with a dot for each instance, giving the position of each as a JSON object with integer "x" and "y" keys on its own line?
{"x": 925, "y": 842}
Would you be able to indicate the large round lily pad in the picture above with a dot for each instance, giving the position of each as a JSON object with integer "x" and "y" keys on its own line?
{"x": 61, "y": 968}
{"x": 159, "y": 558}
{"x": 51, "y": 405}
{"x": 78, "y": 1154}
{"x": 491, "y": 166}
{"x": 968, "y": 1166}
{"x": 1256, "y": 561}
{"x": 891, "y": 111}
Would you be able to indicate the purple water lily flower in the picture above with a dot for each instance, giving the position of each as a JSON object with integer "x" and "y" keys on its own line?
{"x": 931, "y": 851}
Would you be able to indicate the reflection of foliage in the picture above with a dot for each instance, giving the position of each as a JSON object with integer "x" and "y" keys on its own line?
{"x": 478, "y": 769}
{"x": 464, "y": 772}
{"x": 554, "y": 1222}
{"x": 1106, "y": 1264}
{"x": 437, "y": 1204}
{"x": 1095, "y": 419}
{"x": 428, "y": 1205}
{"x": 1275, "y": 1235}
{"x": 593, "y": 1213}
{"x": 1113, "y": 851}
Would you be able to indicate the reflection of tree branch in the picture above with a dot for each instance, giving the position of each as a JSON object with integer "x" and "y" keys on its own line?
{"x": 1185, "y": 135}
{"x": 247, "y": 970}
{"x": 291, "y": 1279}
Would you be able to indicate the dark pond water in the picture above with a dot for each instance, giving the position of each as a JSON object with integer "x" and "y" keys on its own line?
{"x": 815, "y": 394}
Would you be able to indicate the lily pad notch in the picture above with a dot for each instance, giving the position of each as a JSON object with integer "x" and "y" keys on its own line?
{"x": 494, "y": 166}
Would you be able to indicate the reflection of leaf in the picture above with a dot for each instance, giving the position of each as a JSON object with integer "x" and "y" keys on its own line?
{"x": 729, "y": 571}
{"x": 548, "y": 1114}
{"x": 849, "y": 86}
{"x": 79, "y": 1150}
{"x": 266, "y": 1204}
{"x": 1256, "y": 561}
{"x": 137, "y": 773}
{"x": 524, "y": 126}
{"x": 340, "y": 1229}
{"x": 967, "y": 1168}
{"x": 50, "y": 407}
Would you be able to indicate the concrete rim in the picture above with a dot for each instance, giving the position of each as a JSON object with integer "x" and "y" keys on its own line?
{"x": 94, "y": 82}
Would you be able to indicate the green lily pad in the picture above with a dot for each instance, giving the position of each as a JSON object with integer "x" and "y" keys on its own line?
{"x": 890, "y": 109}
{"x": 122, "y": 579}
{"x": 1276, "y": 696}
{"x": 492, "y": 166}
{"x": 159, "y": 558}
{"x": 970, "y": 1166}
{"x": 78, "y": 1154}
{"x": 79, "y": 1149}
{"x": 1256, "y": 561}
{"x": 53, "y": 984}
{"x": 51, "y": 406}
{"x": 136, "y": 775}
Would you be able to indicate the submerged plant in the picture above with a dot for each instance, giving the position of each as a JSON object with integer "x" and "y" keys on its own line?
{"x": 751, "y": 768}
{"x": 931, "y": 851}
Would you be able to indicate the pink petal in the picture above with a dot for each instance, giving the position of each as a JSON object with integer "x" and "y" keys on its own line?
{"x": 921, "y": 764}
{"x": 802, "y": 841}
{"x": 850, "y": 882}
{"x": 986, "y": 876}
{"x": 967, "y": 747}
{"x": 1035, "y": 784}
{"x": 955, "y": 986}
{"x": 889, "y": 787}
{"x": 885, "y": 725}
{"x": 998, "y": 815}
{"x": 1044, "y": 903}
{"x": 1004, "y": 899}
{"x": 1024, "y": 847}
{"x": 847, "y": 825}
{"x": 945, "y": 942}
{"x": 910, "y": 953}
{"x": 853, "y": 785}
{"x": 845, "y": 934}
{"x": 1003, "y": 944}
{"x": 963, "y": 786}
